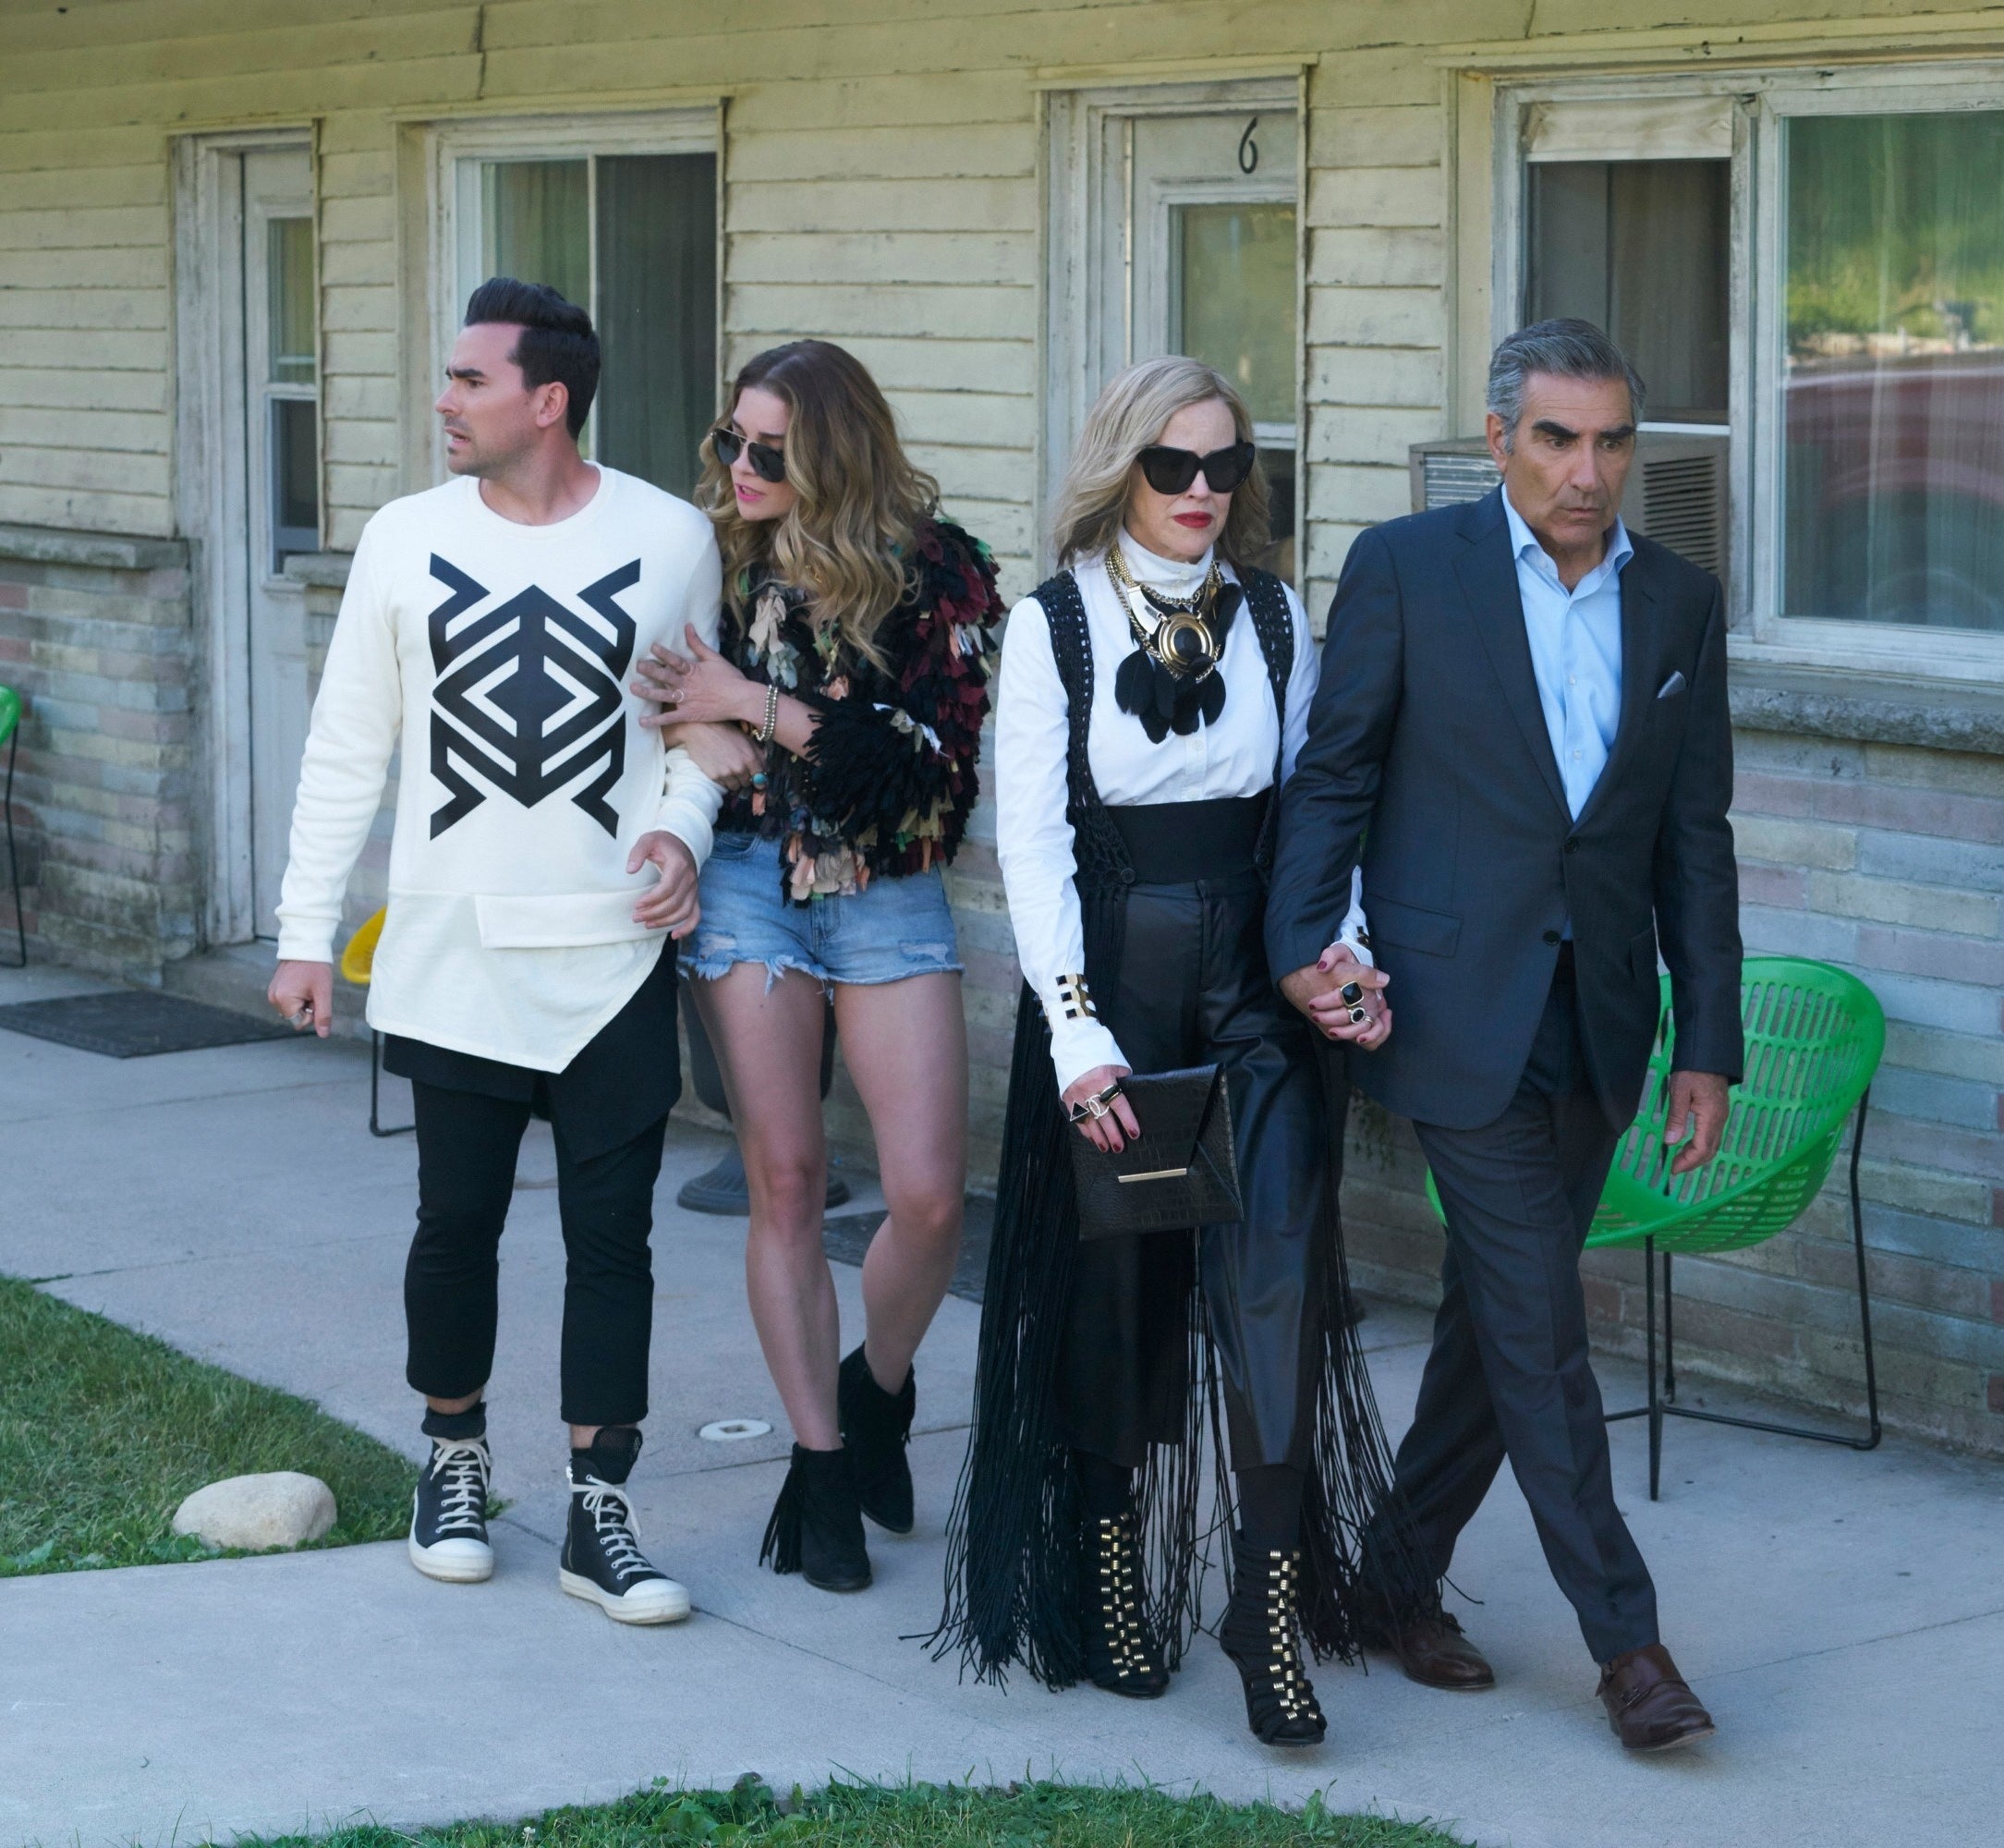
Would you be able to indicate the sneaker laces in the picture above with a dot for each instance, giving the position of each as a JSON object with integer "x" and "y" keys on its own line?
{"x": 463, "y": 1465}
{"x": 612, "y": 1522}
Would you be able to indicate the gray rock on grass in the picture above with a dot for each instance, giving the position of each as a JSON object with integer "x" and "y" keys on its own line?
{"x": 282, "y": 1508}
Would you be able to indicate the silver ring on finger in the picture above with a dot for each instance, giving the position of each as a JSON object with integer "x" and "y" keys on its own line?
{"x": 1356, "y": 1015}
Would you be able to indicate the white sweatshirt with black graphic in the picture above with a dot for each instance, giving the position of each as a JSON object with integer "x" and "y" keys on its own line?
{"x": 499, "y": 655}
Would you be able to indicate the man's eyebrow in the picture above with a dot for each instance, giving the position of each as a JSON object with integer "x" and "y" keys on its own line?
{"x": 468, "y": 373}
{"x": 1550, "y": 426}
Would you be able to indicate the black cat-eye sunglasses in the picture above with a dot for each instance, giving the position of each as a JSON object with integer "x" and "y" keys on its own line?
{"x": 768, "y": 463}
{"x": 1170, "y": 471}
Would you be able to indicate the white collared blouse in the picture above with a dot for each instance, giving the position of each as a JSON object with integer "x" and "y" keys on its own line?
{"x": 1233, "y": 757}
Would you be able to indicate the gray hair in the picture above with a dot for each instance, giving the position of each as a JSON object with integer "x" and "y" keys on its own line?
{"x": 1560, "y": 349}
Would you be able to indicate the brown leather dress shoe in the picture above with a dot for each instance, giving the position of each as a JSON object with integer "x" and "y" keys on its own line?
{"x": 1649, "y": 1705}
{"x": 1432, "y": 1651}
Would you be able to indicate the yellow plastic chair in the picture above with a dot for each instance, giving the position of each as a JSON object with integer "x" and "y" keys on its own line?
{"x": 357, "y": 963}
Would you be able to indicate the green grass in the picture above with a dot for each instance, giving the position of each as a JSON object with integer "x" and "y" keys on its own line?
{"x": 103, "y": 1432}
{"x": 916, "y": 1815}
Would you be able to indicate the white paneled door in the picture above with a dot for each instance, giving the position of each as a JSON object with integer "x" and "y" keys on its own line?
{"x": 281, "y": 504}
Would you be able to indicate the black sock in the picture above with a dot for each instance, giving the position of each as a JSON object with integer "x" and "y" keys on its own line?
{"x": 1105, "y": 1489}
{"x": 609, "y": 1456}
{"x": 1270, "y": 1506}
{"x": 456, "y": 1427}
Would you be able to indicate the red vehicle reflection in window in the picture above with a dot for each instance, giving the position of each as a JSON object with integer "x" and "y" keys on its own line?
{"x": 1894, "y": 487}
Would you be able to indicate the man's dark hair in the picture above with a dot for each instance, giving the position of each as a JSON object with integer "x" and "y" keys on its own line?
{"x": 557, "y": 346}
{"x": 1560, "y": 349}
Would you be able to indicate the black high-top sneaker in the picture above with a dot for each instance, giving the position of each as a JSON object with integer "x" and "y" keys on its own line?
{"x": 1261, "y": 1632}
{"x": 876, "y": 1425}
{"x": 1121, "y": 1656}
{"x": 448, "y": 1514}
{"x": 817, "y": 1525}
{"x": 602, "y": 1558}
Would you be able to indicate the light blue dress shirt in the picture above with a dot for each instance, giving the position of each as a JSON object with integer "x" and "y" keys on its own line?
{"x": 1575, "y": 638}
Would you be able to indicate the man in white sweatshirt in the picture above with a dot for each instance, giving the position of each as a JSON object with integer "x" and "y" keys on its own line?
{"x": 545, "y": 860}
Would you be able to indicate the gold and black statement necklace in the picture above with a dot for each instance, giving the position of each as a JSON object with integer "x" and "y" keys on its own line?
{"x": 1170, "y": 681}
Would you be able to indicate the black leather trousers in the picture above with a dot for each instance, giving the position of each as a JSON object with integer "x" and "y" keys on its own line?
{"x": 1194, "y": 989}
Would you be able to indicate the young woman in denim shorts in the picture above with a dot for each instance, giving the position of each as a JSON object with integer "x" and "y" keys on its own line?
{"x": 842, "y": 715}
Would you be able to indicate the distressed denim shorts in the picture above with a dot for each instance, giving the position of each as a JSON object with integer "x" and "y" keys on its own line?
{"x": 893, "y": 928}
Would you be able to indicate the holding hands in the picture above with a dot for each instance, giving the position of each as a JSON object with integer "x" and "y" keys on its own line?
{"x": 1343, "y": 998}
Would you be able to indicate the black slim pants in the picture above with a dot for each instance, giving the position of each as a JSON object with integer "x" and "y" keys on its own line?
{"x": 466, "y": 1147}
{"x": 1193, "y": 990}
{"x": 1509, "y": 1373}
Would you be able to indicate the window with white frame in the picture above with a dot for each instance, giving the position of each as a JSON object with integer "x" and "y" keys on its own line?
{"x": 1892, "y": 419}
{"x": 620, "y": 216}
{"x": 1814, "y": 260}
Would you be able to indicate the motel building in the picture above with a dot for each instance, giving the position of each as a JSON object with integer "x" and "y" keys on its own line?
{"x": 236, "y": 236}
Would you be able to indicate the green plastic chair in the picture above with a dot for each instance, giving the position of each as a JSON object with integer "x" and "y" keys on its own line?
{"x": 1815, "y": 1037}
{"x": 10, "y": 735}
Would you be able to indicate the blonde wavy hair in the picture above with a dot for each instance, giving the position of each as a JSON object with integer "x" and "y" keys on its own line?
{"x": 1128, "y": 417}
{"x": 847, "y": 541}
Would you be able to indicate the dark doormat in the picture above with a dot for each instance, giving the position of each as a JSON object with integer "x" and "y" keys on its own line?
{"x": 845, "y": 1240}
{"x": 135, "y": 1023}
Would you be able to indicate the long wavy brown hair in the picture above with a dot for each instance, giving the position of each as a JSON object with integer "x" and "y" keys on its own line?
{"x": 847, "y": 539}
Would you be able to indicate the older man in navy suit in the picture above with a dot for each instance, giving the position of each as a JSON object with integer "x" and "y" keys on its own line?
{"x": 1522, "y": 727}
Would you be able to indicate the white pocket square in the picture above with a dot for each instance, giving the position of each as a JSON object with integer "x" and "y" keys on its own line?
{"x": 1675, "y": 684}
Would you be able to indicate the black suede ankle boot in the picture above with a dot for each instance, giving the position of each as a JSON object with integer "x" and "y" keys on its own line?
{"x": 1121, "y": 1654}
{"x": 1261, "y": 1632}
{"x": 817, "y": 1525}
{"x": 876, "y": 1427}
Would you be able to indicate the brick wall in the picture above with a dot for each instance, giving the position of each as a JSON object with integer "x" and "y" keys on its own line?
{"x": 94, "y": 632}
{"x": 1887, "y": 859}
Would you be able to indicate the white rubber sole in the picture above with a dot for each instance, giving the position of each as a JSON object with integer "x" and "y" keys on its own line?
{"x": 661, "y": 1601}
{"x": 459, "y": 1567}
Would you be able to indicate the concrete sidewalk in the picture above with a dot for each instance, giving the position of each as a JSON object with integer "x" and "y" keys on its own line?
{"x": 1842, "y": 1615}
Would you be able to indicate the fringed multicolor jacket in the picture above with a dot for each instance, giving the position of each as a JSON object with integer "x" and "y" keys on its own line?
{"x": 889, "y": 781}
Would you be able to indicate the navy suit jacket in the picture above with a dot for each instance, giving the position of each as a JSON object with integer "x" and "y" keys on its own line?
{"x": 1427, "y": 753}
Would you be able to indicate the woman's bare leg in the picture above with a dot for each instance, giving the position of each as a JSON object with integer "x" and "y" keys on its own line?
{"x": 769, "y": 1042}
{"x": 905, "y": 1046}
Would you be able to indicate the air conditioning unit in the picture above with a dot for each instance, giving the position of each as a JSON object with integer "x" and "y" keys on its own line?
{"x": 1676, "y": 489}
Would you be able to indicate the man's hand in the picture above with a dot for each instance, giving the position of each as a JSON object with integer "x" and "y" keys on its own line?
{"x": 1320, "y": 989}
{"x": 1103, "y": 1132}
{"x": 672, "y": 906}
{"x": 1699, "y": 1106}
{"x": 303, "y": 992}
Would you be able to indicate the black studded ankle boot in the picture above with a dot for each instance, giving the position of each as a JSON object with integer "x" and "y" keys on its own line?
{"x": 876, "y": 1427}
{"x": 817, "y": 1525}
{"x": 1121, "y": 1654}
{"x": 1261, "y": 1632}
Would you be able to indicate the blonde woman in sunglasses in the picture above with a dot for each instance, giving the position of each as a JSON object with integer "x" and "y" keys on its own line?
{"x": 1153, "y": 697}
{"x": 842, "y": 710}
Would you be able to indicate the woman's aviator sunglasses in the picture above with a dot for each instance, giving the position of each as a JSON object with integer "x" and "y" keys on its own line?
{"x": 768, "y": 463}
{"x": 1170, "y": 471}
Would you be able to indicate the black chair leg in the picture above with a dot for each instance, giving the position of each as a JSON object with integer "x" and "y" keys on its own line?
{"x": 14, "y": 853}
{"x": 1663, "y": 1405}
{"x": 375, "y": 1080}
{"x": 1655, "y": 1400}
{"x": 1670, "y": 1334}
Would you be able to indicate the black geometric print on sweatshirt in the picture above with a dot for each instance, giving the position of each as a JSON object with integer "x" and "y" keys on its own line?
{"x": 528, "y": 642}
